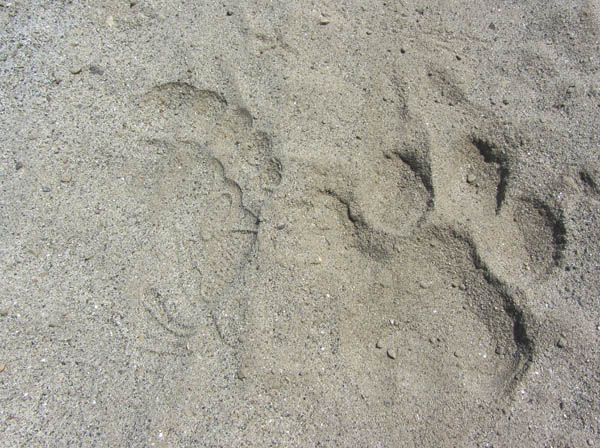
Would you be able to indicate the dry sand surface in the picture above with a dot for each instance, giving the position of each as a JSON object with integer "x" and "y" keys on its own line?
{"x": 316, "y": 223}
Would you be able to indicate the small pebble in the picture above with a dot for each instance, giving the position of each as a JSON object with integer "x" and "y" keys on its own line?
{"x": 242, "y": 372}
{"x": 505, "y": 101}
{"x": 66, "y": 178}
{"x": 471, "y": 178}
{"x": 561, "y": 343}
{"x": 46, "y": 189}
{"x": 229, "y": 12}
{"x": 2, "y": 367}
{"x": 424, "y": 285}
{"x": 18, "y": 166}
{"x": 75, "y": 70}
{"x": 95, "y": 70}
{"x": 206, "y": 235}
{"x": 391, "y": 353}
{"x": 324, "y": 21}
{"x": 379, "y": 343}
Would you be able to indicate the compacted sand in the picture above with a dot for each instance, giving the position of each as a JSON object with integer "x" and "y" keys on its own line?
{"x": 274, "y": 223}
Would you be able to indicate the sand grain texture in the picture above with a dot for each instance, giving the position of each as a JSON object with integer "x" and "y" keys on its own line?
{"x": 299, "y": 223}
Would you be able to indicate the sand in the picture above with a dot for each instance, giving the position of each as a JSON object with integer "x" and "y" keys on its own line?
{"x": 299, "y": 223}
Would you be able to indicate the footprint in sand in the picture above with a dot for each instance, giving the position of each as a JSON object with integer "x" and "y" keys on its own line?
{"x": 441, "y": 233}
{"x": 205, "y": 172}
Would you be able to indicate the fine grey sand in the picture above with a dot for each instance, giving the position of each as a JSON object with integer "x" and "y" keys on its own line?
{"x": 270, "y": 223}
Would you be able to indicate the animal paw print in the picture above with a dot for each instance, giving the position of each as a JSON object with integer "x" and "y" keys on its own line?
{"x": 449, "y": 244}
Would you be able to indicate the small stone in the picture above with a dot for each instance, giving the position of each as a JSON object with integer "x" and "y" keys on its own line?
{"x": 242, "y": 372}
{"x": 369, "y": 32}
{"x": 75, "y": 70}
{"x": 66, "y": 178}
{"x": 132, "y": 3}
{"x": 2, "y": 367}
{"x": 46, "y": 189}
{"x": 280, "y": 226}
{"x": 424, "y": 285}
{"x": 95, "y": 70}
{"x": 471, "y": 178}
{"x": 561, "y": 343}
{"x": 458, "y": 354}
{"x": 391, "y": 353}
{"x": 3, "y": 313}
{"x": 18, "y": 165}
{"x": 206, "y": 234}
{"x": 505, "y": 101}
{"x": 590, "y": 442}
{"x": 229, "y": 13}
{"x": 379, "y": 343}
{"x": 324, "y": 21}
